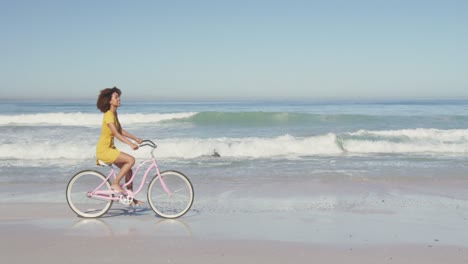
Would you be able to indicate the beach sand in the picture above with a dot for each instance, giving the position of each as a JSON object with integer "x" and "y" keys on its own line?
{"x": 51, "y": 233}
{"x": 249, "y": 220}
{"x": 27, "y": 243}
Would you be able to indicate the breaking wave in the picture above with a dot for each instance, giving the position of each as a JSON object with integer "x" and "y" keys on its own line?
{"x": 405, "y": 142}
{"x": 85, "y": 119}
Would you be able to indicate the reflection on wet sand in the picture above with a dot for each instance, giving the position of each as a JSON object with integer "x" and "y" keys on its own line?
{"x": 110, "y": 228}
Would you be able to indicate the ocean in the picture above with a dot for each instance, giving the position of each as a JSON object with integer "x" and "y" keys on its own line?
{"x": 234, "y": 149}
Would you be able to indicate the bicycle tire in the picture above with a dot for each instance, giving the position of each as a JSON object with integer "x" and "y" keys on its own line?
{"x": 77, "y": 189}
{"x": 175, "y": 204}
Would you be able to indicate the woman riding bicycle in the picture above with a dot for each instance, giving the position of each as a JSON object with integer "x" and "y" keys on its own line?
{"x": 108, "y": 102}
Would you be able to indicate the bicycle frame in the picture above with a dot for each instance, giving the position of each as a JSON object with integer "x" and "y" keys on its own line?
{"x": 107, "y": 194}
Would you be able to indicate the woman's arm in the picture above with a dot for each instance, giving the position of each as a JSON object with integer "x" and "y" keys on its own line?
{"x": 122, "y": 136}
{"x": 128, "y": 135}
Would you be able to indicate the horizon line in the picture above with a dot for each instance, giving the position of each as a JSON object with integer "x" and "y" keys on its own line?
{"x": 254, "y": 98}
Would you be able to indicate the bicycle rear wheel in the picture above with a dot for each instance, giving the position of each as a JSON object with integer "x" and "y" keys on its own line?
{"x": 174, "y": 201}
{"x": 79, "y": 196}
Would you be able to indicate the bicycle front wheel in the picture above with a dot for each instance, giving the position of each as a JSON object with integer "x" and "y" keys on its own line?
{"x": 80, "y": 196}
{"x": 171, "y": 195}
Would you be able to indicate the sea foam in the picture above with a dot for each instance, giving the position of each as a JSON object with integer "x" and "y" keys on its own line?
{"x": 85, "y": 119}
{"x": 406, "y": 142}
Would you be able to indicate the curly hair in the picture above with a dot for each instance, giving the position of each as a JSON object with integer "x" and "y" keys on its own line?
{"x": 105, "y": 96}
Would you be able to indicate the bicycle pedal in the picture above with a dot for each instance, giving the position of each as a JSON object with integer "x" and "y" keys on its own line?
{"x": 125, "y": 200}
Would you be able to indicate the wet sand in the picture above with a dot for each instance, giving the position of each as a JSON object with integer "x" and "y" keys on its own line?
{"x": 50, "y": 232}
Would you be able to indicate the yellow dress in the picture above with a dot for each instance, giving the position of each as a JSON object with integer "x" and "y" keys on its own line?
{"x": 105, "y": 149}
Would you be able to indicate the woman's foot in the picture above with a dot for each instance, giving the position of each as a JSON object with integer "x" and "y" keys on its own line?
{"x": 129, "y": 186}
{"x": 117, "y": 188}
{"x": 136, "y": 203}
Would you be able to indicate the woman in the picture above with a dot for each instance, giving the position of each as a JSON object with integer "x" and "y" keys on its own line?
{"x": 108, "y": 102}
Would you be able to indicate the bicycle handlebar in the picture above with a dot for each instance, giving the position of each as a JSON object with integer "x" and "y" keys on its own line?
{"x": 148, "y": 143}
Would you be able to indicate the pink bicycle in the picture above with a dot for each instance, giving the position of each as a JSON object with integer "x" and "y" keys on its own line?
{"x": 170, "y": 193}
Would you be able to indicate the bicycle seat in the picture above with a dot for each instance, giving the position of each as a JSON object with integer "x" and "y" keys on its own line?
{"x": 102, "y": 163}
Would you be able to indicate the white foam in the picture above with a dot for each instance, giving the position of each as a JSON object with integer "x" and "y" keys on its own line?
{"x": 408, "y": 141}
{"x": 86, "y": 119}
{"x": 38, "y": 151}
{"x": 250, "y": 147}
{"x": 183, "y": 148}
{"x": 419, "y": 133}
{"x": 452, "y": 142}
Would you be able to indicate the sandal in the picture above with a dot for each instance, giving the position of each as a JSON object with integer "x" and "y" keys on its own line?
{"x": 117, "y": 191}
{"x": 136, "y": 203}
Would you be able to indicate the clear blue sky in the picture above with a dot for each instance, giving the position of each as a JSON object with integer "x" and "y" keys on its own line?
{"x": 234, "y": 49}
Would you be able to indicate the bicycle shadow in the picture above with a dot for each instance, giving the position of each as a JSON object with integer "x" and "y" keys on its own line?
{"x": 130, "y": 211}
{"x": 141, "y": 211}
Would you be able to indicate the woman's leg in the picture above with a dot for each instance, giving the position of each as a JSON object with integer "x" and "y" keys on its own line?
{"x": 128, "y": 175}
{"x": 125, "y": 162}
{"x": 129, "y": 186}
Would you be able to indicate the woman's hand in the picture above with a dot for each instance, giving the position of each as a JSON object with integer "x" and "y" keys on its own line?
{"x": 134, "y": 146}
{"x": 138, "y": 140}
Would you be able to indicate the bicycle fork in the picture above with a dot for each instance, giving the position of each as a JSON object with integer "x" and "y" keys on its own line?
{"x": 160, "y": 177}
